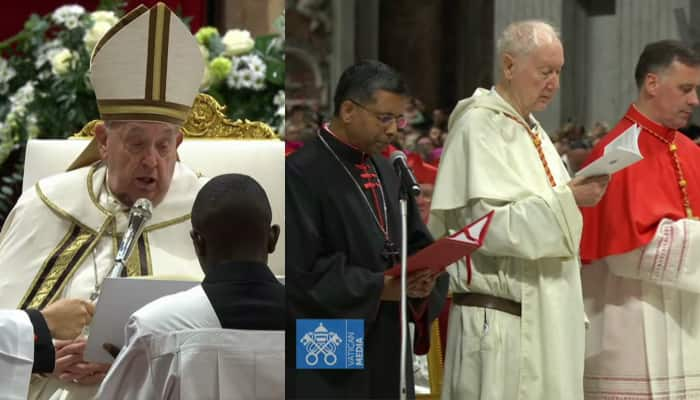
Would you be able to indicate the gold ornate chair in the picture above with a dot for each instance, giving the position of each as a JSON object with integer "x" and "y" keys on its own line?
{"x": 213, "y": 145}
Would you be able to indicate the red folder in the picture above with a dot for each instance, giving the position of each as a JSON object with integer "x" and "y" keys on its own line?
{"x": 447, "y": 250}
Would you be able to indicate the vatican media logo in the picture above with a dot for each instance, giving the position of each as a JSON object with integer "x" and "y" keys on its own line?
{"x": 330, "y": 344}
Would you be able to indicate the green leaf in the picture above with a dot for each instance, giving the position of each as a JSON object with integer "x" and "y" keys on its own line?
{"x": 275, "y": 71}
{"x": 216, "y": 46}
{"x": 262, "y": 43}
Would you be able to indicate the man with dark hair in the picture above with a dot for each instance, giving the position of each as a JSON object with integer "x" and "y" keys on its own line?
{"x": 642, "y": 244}
{"x": 232, "y": 237}
{"x": 343, "y": 229}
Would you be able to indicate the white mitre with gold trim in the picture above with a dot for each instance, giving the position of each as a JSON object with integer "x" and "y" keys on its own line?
{"x": 147, "y": 67}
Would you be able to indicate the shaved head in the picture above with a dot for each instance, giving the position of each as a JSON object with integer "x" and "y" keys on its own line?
{"x": 231, "y": 216}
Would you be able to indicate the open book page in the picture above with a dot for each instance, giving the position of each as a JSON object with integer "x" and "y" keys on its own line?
{"x": 449, "y": 249}
{"x": 618, "y": 154}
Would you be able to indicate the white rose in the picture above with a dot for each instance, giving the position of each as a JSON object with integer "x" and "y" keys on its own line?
{"x": 104, "y": 16}
{"x": 237, "y": 41}
{"x": 99, "y": 28}
{"x": 61, "y": 61}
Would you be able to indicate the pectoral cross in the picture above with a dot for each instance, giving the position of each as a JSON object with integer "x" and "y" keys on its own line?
{"x": 390, "y": 252}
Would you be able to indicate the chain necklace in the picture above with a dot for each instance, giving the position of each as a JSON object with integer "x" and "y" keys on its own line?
{"x": 673, "y": 149}
{"x": 390, "y": 251}
{"x": 537, "y": 141}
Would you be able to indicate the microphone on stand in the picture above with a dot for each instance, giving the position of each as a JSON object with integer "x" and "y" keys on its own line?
{"x": 409, "y": 187}
{"x": 139, "y": 214}
{"x": 409, "y": 184}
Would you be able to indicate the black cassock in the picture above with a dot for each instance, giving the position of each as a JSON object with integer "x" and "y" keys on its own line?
{"x": 336, "y": 255}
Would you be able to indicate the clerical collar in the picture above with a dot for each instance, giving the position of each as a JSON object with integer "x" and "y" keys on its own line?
{"x": 633, "y": 114}
{"x": 342, "y": 148}
{"x": 240, "y": 271}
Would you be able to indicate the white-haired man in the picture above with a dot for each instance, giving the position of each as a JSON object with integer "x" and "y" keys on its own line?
{"x": 60, "y": 239}
{"x": 516, "y": 327}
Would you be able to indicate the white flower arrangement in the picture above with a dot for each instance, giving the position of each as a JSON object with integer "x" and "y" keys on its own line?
{"x": 21, "y": 99}
{"x": 62, "y": 61}
{"x": 237, "y": 42}
{"x": 6, "y": 73}
{"x": 45, "y": 90}
{"x": 68, "y": 15}
{"x": 246, "y": 74}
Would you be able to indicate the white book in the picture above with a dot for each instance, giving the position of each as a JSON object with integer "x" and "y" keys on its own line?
{"x": 618, "y": 154}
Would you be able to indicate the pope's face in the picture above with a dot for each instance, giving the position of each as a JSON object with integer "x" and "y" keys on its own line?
{"x": 675, "y": 94}
{"x": 534, "y": 77}
{"x": 140, "y": 158}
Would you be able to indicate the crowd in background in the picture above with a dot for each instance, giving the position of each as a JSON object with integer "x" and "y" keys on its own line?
{"x": 424, "y": 137}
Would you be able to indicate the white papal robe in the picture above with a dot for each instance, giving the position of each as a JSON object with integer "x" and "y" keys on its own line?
{"x": 62, "y": 236}
{"x": 530, "y": 255}
{"x": 16, "y": 354}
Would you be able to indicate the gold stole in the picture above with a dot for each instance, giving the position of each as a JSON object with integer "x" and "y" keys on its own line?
{"x": 71, "y": 252}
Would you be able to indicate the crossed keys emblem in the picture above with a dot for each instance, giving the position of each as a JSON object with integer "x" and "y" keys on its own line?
{"x": 321, "y": 341}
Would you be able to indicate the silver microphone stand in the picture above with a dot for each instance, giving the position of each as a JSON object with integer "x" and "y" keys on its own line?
{"x": 138, "y": 216}
{"x": 404, "y": 321}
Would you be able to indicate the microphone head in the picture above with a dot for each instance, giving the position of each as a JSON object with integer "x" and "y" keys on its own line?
{"x": 397, "y": 154}
{"x": 142, "y": 207}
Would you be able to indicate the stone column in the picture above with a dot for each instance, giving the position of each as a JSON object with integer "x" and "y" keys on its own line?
{"x": 342, "y": 51}
{"x": 257, "y": 16}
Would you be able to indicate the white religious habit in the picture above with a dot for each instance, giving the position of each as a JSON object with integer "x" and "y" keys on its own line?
{"x": 16, "y": 354}
{"x": 491, "y": 162}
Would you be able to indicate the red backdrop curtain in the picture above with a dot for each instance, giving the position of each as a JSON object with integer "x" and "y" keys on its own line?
{"x": 14, "y": 13}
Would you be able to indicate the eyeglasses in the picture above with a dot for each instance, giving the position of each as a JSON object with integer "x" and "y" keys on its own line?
{"x": 383, "y": 118}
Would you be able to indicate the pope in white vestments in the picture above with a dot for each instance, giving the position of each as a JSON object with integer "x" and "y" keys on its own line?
{"x": 516, "y": 325}
{"x": 60, "y": 239}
